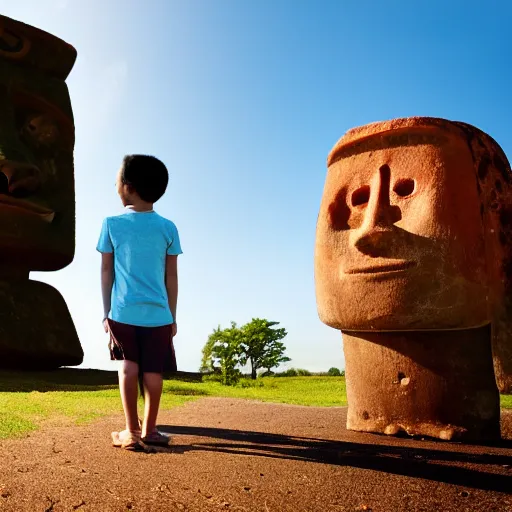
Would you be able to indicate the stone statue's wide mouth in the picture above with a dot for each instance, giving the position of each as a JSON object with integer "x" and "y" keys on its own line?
{"x": 392, "y": 266}
{"x": 45, "y": 214}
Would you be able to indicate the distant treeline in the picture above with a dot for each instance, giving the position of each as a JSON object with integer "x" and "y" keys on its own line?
{"x": 301, "y": 372}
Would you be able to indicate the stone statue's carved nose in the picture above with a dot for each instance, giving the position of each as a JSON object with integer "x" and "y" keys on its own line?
{"x": 379, "y": 215}
{"x": 19, "y": 179}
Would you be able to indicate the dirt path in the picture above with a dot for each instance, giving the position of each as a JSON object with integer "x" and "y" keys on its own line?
{"x": 238, "y": 455}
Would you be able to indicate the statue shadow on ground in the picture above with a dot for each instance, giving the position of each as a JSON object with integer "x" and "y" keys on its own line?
{"x": 424, "y": 463}
{"x": 72, "y": 379}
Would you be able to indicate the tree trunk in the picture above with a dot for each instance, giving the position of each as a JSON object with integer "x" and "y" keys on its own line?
{"x": 253, "y": 370}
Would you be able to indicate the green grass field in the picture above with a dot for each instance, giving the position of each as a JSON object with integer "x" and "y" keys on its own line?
{"x": 29, "y": 400}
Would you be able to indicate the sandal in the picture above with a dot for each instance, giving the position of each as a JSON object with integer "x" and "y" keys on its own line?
{"x": 157, "y": 438}
{"x": 127, "y": 440}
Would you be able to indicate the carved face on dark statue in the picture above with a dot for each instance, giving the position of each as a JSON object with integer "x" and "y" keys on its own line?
{"x": 400, "y": 239}
{"x": 37, "y": 204}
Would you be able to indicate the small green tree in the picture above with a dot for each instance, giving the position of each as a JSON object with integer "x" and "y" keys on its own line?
{"x": 261, "y": 346}
{"x": 274, "y": 357}
{"x": 334, "y": 372}
{"x": 207, "y": 362}
{"x": 222, "y": 351}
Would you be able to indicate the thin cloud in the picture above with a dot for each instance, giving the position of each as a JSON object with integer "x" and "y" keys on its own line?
{"x": 112, "y": 92}
{"x": 32, "y": 11}
{"x": 60, "y": 5}
{"x": 96, "y": 97}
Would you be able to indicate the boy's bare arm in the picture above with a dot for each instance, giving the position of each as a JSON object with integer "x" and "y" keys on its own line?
{"x": 171, "y": 283}
{"x": 107, "y": 280}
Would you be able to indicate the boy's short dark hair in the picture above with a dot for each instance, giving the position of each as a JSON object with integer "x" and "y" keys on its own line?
{"x": 147, "y": 175}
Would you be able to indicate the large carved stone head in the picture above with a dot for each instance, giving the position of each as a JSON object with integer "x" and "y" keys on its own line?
{"x": 37, "y": 203}
{"x": 414, "y": 228}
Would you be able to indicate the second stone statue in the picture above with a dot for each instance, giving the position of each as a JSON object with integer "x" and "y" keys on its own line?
{"x": 412, "y": 264}
{"x": 37, "y": 197}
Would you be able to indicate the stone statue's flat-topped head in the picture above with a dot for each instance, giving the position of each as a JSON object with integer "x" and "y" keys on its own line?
{"x": 409, "y": 235}
{"x": 35, "y": 48}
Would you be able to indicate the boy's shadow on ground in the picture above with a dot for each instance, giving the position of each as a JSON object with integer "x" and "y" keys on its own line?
{"x": 399, "y": 460}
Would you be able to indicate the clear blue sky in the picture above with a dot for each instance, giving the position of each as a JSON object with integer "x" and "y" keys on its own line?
{"x": 243, "y": 101}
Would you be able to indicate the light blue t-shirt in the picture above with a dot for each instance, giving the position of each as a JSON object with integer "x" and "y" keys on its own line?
{"x": 140, "y": 242}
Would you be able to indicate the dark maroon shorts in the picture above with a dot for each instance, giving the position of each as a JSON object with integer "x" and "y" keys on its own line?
{"x": 151, "y": 347}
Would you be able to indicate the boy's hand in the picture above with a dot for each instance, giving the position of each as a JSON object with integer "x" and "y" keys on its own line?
{"x": 174, "y": 329}
{"x": 105, "y": 325}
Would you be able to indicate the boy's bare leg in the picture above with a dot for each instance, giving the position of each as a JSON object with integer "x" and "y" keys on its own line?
{"x": 153, "y": 383}
{"x": 128, "y": 386}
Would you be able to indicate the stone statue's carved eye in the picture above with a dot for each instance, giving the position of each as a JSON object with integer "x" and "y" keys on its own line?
{"x": 339, "y": 212}
{"x": 40, "y": 130}
{"x": 404, "y": 187}
{"x": 361, "y": 196}
{"x": 13, "y": 44}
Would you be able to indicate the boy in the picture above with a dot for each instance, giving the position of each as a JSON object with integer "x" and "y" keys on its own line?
{"x": 139, "y": 281}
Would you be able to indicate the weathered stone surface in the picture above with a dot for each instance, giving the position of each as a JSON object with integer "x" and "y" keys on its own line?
{"x": 44, "y": 333}
{"x": 413, "y": 235}
{"x": 409, "y": 388}
{"x": 37, "y": 201}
